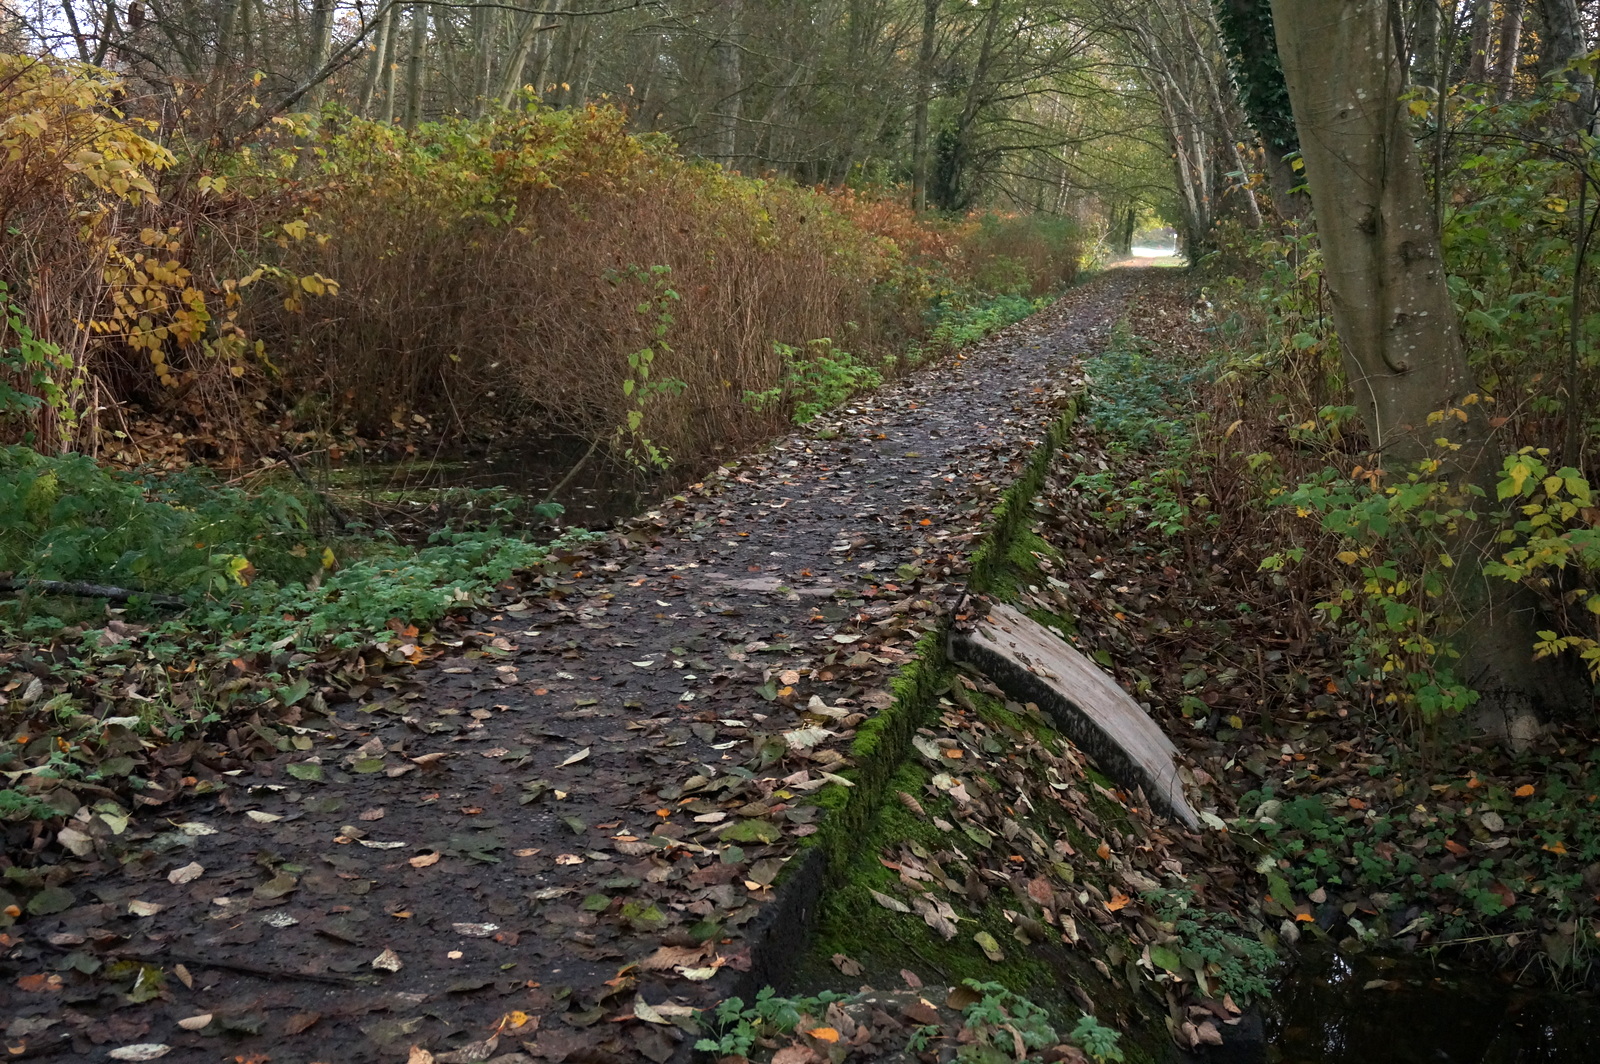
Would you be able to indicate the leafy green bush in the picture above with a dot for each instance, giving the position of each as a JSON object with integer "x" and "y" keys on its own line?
{"x": 247, "y": 564}
{"x": 817, "y": 379}
{"x": 957, "y": 322}
{"x": 65, "y": 518}
{"x": 1137, "y": 401}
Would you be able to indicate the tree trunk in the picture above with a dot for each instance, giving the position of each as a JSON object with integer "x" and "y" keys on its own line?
{"x": 919, "y": 122}
{"x": 487, "y": 26}
{"x": 1397, "y": 327}
{"x": 725, "y": 60}
{"x": 416, "y": 65}
{"x": 380, "y": 59}
{"x": 1477, "y": 71}
{"x": 532, "y": 27}
{"x": 1245, "y": 29}
{"x": 1505, "y": 58}
{"x": 391, "y": 67}
{"x": 1565, "y": 44}
{"x": 1396, "y": 324}
{"x": 1203, "y": 57}
{"x": 321, "y": 45}
{"x": 1426, "y": 35}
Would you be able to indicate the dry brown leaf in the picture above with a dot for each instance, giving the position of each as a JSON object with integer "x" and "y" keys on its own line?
{"x": 667, "y": 958}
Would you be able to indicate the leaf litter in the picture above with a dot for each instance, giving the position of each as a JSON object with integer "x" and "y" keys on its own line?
{"x": 775, "y": 600}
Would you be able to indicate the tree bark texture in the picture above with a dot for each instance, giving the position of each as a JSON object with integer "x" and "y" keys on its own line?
{"x": 1509, "y": 49}
{"x": 1565, "y": 42}
{"x": 1396, "y": 324}
{"x": 1397, "y": 327}
{"x": 416, "y": 65}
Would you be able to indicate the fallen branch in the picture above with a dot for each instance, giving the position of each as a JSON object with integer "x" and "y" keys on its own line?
{"x": 87, "y": 590}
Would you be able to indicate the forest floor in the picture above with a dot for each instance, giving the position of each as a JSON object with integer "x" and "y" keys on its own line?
{"x": 547, "y": 835}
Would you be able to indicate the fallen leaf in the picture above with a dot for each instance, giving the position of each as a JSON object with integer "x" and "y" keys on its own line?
{"x": 846, "y": 965}
{"x": 1525, "y": 791}
{"x": 387, "y": 961}
{"x": 990, "y": 947}
{"x": 142, "y": 1051}
{"x": 144, "y": 908}
{"x": 889, "y": 902}
{"x": 423, "y": 860}
{"x": 575, "y": 758}
{"x": 195, "y": 1023}
{"x": 795, "y": 1054}
{"x": 666, "y": 958}
{"x": 41, "y": 983}
{"x": 824, "y": 1034}
{"x": 643, "y": 1010}
{"x": 187, "y": 874}
{"x": 1118, "y": 900}
{"x": 419, "y": 1056}
{"x": 471, "y": 1053}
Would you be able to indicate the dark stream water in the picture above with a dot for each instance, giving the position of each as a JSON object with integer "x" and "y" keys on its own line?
{"x": 1387, "y": 1010}
{"x": 430, "y": 492}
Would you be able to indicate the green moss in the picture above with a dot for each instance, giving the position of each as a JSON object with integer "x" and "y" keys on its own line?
{"x": 877, "y": 752}
{"x": 864, "y": 821}
{"x": 1009, "y": 540}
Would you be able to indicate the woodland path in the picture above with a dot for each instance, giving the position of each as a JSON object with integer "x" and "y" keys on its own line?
{"x": 592, "y": 780}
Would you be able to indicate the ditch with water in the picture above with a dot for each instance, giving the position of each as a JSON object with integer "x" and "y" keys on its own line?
{"x": 1380, "y": 1009}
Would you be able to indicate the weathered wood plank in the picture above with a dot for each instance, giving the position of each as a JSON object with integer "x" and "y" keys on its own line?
{"x": 1032, "y": 664}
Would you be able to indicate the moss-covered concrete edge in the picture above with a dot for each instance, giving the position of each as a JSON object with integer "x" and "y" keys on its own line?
{"x": 778, "y": 936}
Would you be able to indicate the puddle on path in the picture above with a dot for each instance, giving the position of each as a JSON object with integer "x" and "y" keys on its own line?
{"x": 1333, "y": 1010}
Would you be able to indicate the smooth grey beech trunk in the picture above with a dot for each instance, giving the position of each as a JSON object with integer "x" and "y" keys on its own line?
{"x": 1397, "y": 327}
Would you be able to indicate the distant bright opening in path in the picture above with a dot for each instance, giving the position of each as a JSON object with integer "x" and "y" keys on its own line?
{"x": 1144, "y": 251}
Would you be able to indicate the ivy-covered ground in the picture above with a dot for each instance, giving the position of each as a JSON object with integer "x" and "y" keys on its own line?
{"x": 1368, "y": 827}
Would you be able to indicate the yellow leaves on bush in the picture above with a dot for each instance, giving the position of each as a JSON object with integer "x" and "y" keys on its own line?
{"x": 55, "y": 128}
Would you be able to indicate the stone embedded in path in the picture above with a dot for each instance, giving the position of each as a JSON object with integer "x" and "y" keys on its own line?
{"x": 1033, "y": 664}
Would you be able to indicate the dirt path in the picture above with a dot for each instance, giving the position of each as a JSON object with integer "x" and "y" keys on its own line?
{"x": 581, "y": 807}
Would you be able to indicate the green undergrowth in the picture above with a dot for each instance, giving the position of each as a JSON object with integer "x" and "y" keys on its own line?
{"x": 1140, "y": 404}
{"x": 238, "y": 597}
{"x": 253, "y": 569}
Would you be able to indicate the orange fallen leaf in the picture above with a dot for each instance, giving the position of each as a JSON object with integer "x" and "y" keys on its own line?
{"x": 1118, "y": 900}
{"x": 1525, "y": 791}
{"x": 825, "y": 1034}
{"x": 1357, "y": 803}
{"x": 1304, "y": 918}
{"x": 42, "y": 983}
{"x": 1556, "y": 847}
{"x": 1455, "y": 847}
{"x": 954, "y": 754}
{"x": 1104, "y": 850}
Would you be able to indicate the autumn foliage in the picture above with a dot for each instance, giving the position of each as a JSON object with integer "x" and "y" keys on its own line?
{"x": 338, "y": 274}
